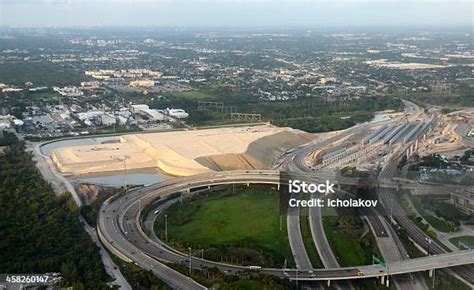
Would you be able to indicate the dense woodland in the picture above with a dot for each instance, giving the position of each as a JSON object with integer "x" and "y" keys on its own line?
{"x": 309, "y": 114}
{"x": 40, "y": 231}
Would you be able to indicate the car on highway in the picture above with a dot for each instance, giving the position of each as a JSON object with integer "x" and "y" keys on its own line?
{"x": 360, "y": 273}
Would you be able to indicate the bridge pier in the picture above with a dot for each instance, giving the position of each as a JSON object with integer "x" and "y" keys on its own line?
{"x": 329, "y": 283}
{"x": 248, "y": 184}
{"x": 382, "y": 280}
{"x": 278, "y": 186}
{"x": 430, "y": 273}
{"x": 388, "y": 281}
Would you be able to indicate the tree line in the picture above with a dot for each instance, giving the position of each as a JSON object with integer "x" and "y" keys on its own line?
{"x": 40, "y": 231}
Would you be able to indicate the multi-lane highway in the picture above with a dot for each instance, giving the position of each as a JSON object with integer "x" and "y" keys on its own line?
{"x": 391, "y": 251}
{"x": 120, "y": 229}
{"x": 120, "y": 226}
{"x": 416, "y": 234}
{"x": 387, "y": 241}
{"x": 295, "y": 237}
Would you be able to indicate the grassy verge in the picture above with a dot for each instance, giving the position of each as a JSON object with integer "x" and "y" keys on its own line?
{"x": 442, "y": 280}
{"x": 344, "y": 235}
{"x": 436, "y": 222}
{"x": 412, "y": 250}
{"x": 418, "y": 221}
{"x": 212, "y": 278}
{"x": 139, "y": 278}
{"x": 91, "y": 212}
{"x": 467, "y": 240}
{"x": 440, "y": 224}
{"x": 241, "y": 227}
{"x": 308, "y": 239}
{"x": 345, "y": 247}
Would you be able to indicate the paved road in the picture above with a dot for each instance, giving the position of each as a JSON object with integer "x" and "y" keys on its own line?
{"x": 121, "y": 231}
{"x": 120, "y": 240}
{"x": 296, "y": 162}
{"x": 60, "y": 184}
{"x": 110, "y": 267}
{"x": 416, "y": 234}
{"x": 319, "y": 237}
{"x": 390, "y": 249}
{"x": 295, "y": 237}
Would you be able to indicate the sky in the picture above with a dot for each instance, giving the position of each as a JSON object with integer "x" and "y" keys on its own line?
{"x": 231, "y": 13}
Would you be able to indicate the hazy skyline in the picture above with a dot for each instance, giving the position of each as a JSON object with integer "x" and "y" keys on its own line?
{"x": 67, "y": 13}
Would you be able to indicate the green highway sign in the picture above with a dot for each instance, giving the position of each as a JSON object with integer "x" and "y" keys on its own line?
{"x": 377, "y": 260}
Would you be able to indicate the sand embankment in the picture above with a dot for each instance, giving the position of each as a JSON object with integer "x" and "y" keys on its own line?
{"x": 181, "y": 152}
{"x": 260, "y": 153}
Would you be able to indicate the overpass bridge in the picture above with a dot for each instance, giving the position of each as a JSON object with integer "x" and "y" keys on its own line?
{"x": 429, "y": 263}
{"x": 120, "y": 229}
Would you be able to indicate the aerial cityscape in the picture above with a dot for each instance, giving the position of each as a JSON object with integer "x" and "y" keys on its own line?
{"x": 263, "y": 145}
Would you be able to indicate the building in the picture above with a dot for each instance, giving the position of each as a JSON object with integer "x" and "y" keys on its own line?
{"x": 90, "y": 85}
{"x": 97, "y": 117}
{"x": 136, "y": 109}
{"x": 11, "y": 90}
{"x": 69, "y": 91}
{"x": 142, "y": 83}
{"x": 152, "y": 114}
{"x": 6, "y": 121}
{"x": 149, "y": 113}
{"x": 107, "y": 120}
{"x": 463, "y": 200}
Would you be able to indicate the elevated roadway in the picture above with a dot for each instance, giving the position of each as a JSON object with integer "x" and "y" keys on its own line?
{"x": 120, "y": 229}
{"x": 295, "y": 237}
{"x": 387, "y": 241}
{"x": 416, "y": 234}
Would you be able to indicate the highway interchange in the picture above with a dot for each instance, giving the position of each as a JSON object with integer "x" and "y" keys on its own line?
{"x": 121, "y": 231}
{"x": 120, "y": 227}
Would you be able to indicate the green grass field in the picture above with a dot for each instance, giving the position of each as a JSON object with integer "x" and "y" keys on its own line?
{"x": 346, "y": 247}
{"x": 349, "y": 247}
{"x": 468, "y": 240}
{"x": 248, "y": 219}
{"x": 194, "y": 95}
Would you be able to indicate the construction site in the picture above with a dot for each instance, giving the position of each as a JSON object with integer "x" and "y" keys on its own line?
{"x": 182, "y": 153}
{"x": 368, "y": 148}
